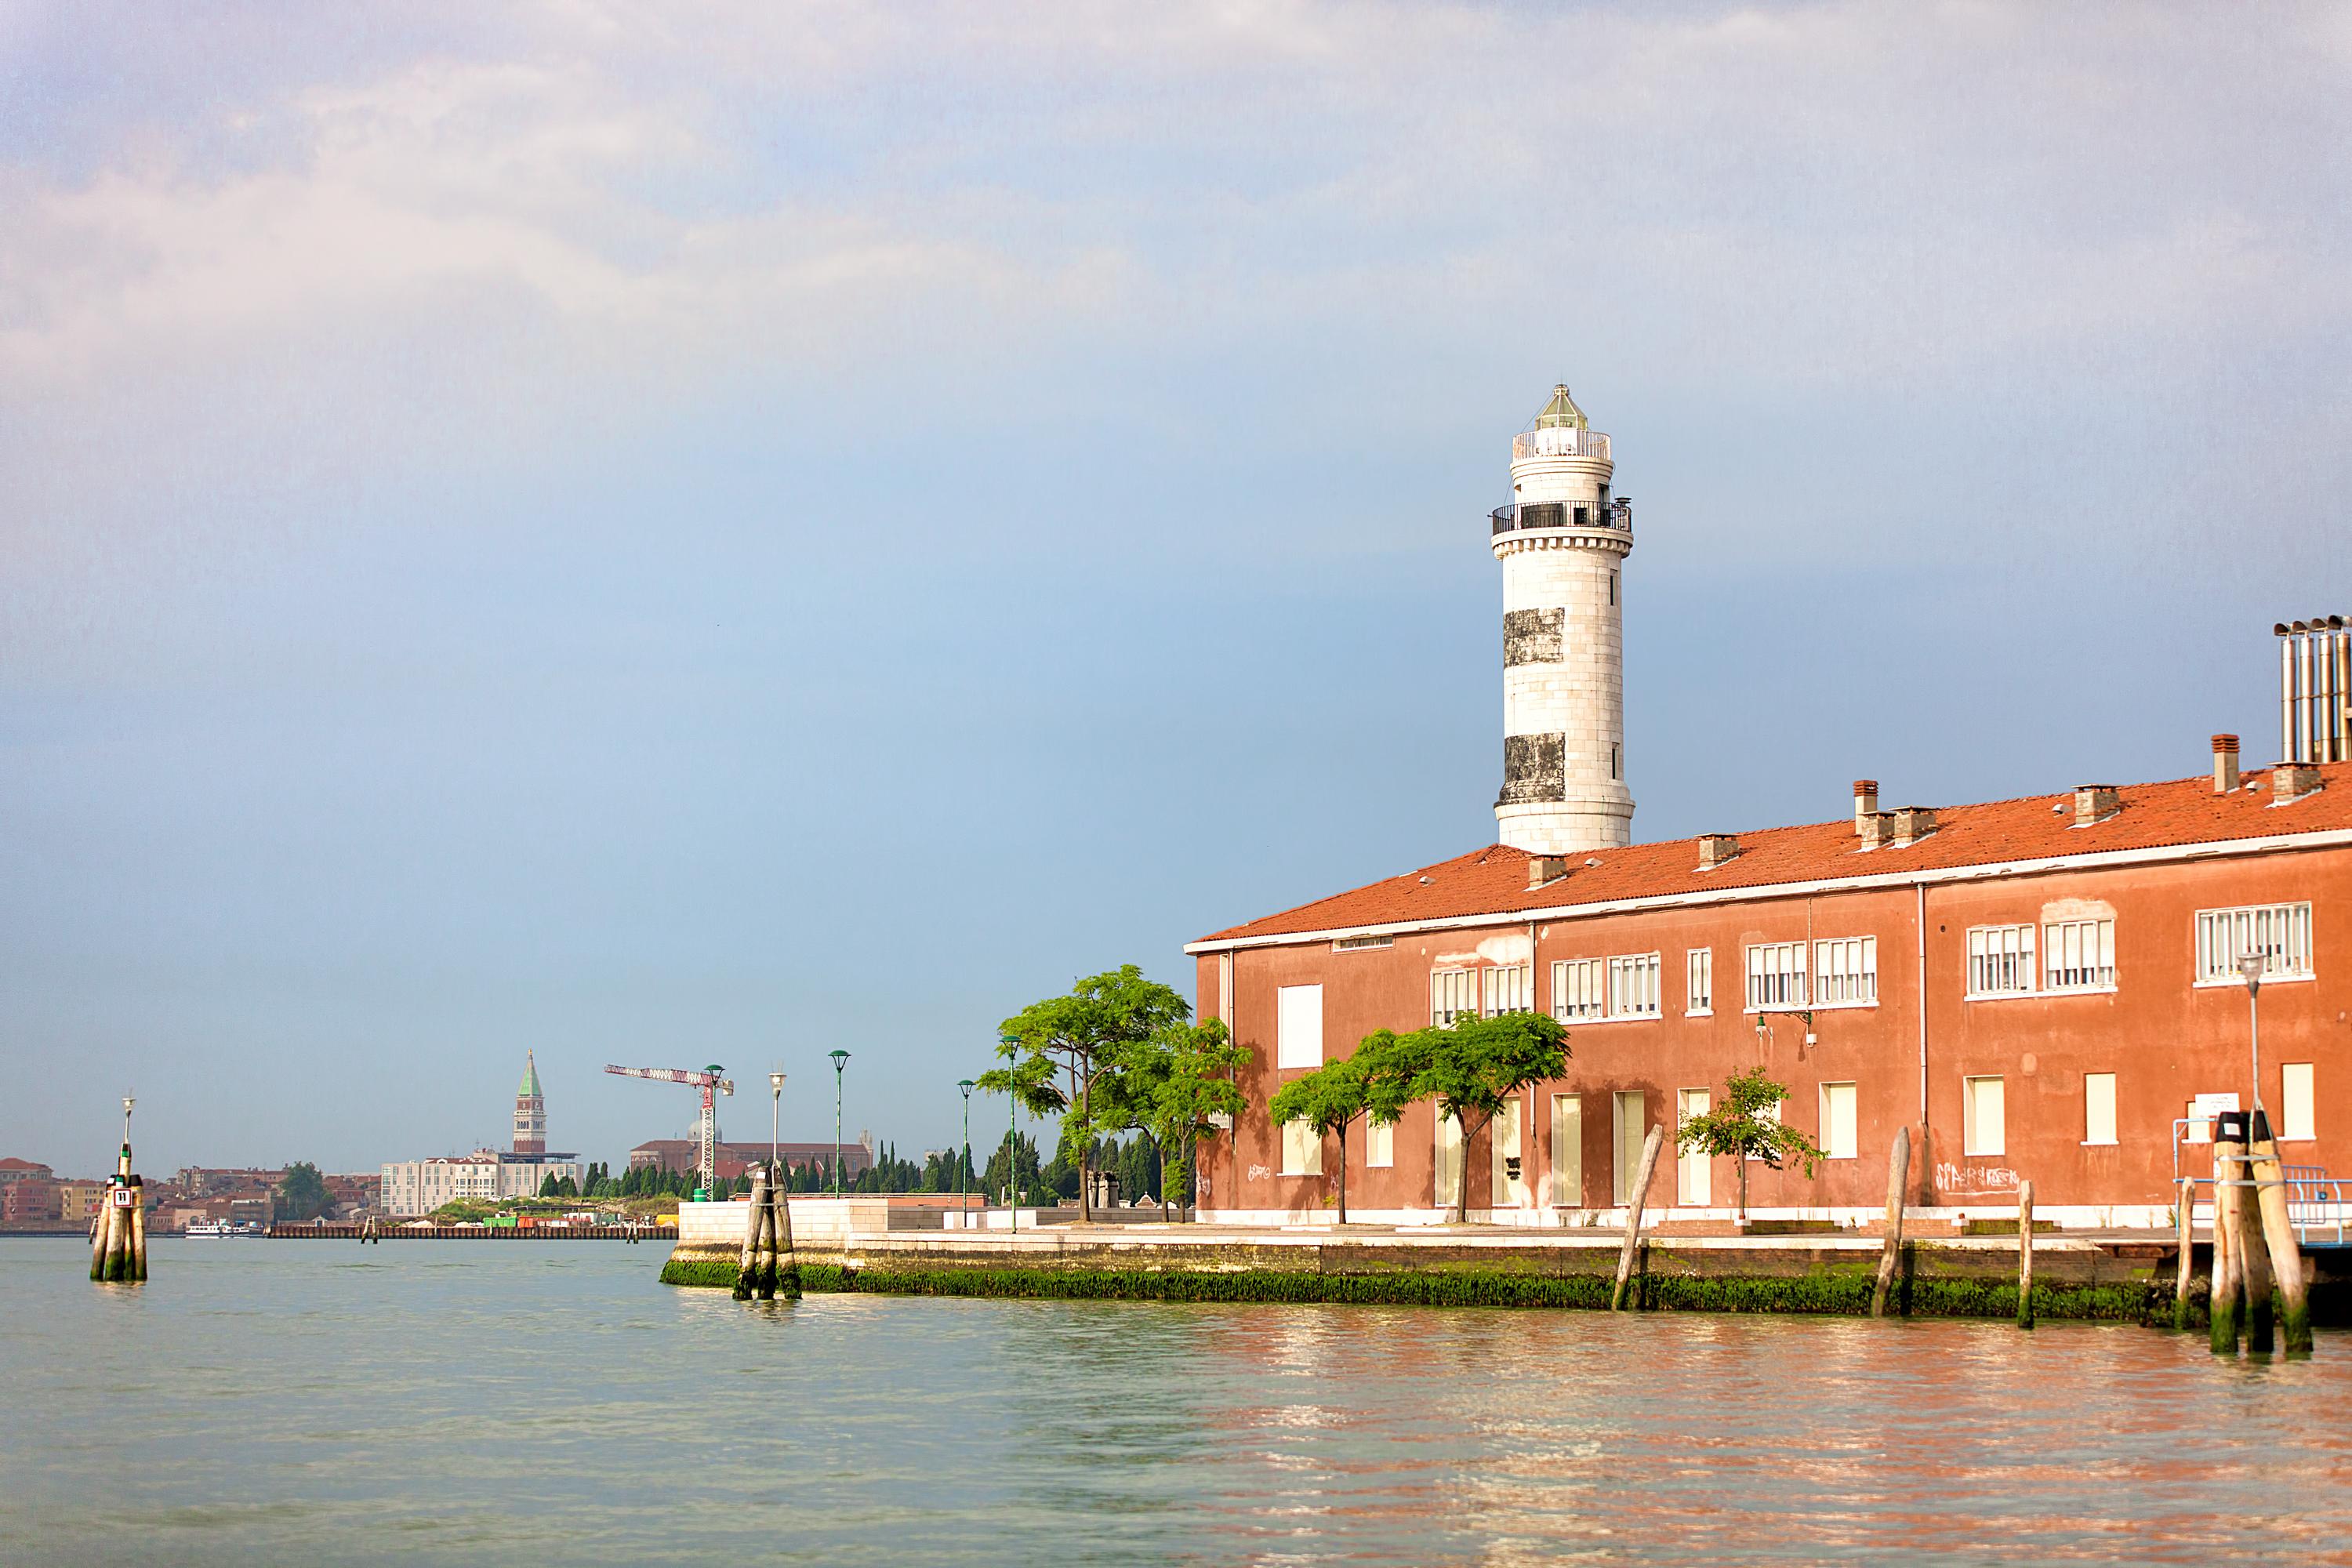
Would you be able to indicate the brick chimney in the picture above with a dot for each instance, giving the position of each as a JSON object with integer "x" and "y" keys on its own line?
{"x": 1715, "y": 848}
{"x": 1865, "y": 804}
{"x": 1544, "y": 869}
{"x": 2096, "y": 803}
{"x": 2225, "y": 763}
{"x": 1876, "y": 827}
{"x": 2293, "y": 781}
{"x": 1912, "y": 823}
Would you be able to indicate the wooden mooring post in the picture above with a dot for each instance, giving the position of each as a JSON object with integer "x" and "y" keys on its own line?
{"x": 1650, "y": 1147}
{"x": 2222, "y": 1301}
{"x": 2278, "y": 1235}
{"x": 2185, "y": 1224}
{"x": 2025, "y": 1255}
{"x": 755, "y": 1243}
{"x": 784, "y": 1265}
{"x": 2253, "y": 1259}
{"x": 1899, "y": 1172}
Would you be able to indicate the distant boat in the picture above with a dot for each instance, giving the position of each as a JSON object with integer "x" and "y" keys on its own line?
{"x": 212, "y": 1228}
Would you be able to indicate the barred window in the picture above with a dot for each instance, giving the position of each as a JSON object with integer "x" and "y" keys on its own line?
{"x": 1776, "y": 974}
{"x": 2281, "y": 933}
{"x": 1634, "y": 986}
{"x": 1579, "y": 989}
{"x": 2081, "y": 955}
{"x": 1359, "y": 943}
{"x": 1453, "y": 993}
{"x": 1506, "y": 988}
{"x": 1698, "y": 965}
{"x": 2000, "y": 961}
{"x": 1845, "y": 971}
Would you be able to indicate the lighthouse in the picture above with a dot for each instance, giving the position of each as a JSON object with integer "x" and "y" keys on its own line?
{"x": 1562, "y": 543}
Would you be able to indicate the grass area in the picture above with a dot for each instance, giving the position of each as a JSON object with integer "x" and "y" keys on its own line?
{"x": 1831, "y": 1294}
{"x": 643, "y": 1210}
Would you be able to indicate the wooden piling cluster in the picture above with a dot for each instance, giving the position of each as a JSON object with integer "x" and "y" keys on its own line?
{"x": 769, "y": 1266}
{"x": 118, "y": 1240}
{"x": 2258, "y": 1277}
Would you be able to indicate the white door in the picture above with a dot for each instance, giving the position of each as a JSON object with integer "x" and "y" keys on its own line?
{"x": 1448, "y": 1156}
{"x": 1510, "y": 1183}
{"x": 1567, "y": 1151}
{"x": 1691, "y": 1170}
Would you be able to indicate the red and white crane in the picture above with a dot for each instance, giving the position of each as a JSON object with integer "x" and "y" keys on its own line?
{"x": 707, "y": 1128}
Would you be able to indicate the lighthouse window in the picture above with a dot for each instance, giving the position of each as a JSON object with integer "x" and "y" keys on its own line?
{"x": 1583, "y": 517}
{"x": 1614, "y": 770}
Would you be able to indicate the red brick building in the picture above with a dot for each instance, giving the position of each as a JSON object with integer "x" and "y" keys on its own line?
{"x": 2045, "y": 986}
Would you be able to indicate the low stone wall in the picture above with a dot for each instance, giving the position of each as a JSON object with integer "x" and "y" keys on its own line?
{"x": 1971, "y": 1277}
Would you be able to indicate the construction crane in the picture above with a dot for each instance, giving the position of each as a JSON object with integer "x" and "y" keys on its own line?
{"x": 707, "y": 1128}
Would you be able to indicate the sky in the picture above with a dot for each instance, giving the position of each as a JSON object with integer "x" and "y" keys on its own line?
{"x": 713, "y": 534}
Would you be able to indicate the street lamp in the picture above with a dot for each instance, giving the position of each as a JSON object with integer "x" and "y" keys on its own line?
{"x": 840, "y": 1060}
{"x": 2250, "y": 968}
{"x": 775, "y": 1131}
{"x": 1012, "y": 1133}
{"x": 963, "y": 1154}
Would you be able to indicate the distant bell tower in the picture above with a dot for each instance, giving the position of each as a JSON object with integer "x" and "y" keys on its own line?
{"x": 1563, "y": 541}
{"x": 530, "y": 1111}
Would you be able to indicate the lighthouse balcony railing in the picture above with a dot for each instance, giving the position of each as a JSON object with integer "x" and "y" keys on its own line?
{"x": 1556, "y": 514}
{"x": 1560, "y": 441}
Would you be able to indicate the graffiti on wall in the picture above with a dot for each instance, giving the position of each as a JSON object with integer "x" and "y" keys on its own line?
{"x": 1962, "y": 1179}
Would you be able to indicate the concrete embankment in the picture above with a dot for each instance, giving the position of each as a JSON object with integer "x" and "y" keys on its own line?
{"x": 2116, "y": 1280}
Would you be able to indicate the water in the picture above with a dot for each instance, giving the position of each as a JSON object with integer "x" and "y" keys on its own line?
{"x": 266, "y": 1402}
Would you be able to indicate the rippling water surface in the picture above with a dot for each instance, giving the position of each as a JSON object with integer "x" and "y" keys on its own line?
{"x": 419, "y": 1402}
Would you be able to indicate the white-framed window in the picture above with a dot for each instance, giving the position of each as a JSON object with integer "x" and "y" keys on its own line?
{"x": 1568, "y": 1151}
{"x": 2279, "y": 933}
{"x": 1693, "y": 1166}
{"x": 1298, "y": 1026}
{"x": 1839, "y": 1137}
{"x": 1507, "y": 987}
{"x": 1629, "y": 1128}
{"x": 1698, "y": 981}
{"x": 1453, "y": 993}
{"x": 1302, "y": 1150}
{"x": 2000, "y": 961}
{"x": 2098, "y": 1107}
{"x": 2079, "y": 955}
{"x": 1634, "y": 986}
{"x": 2297, "y": 1118}
{"x": 1447, "y": 1153}
{"x": 1776, "y": 976}
{"x": 1580, "y": 989}
{"x": 1769, "y": 1116}
{"x": 1981, "y": 1131}
{"x": 1845, "y": 971}
{"x": 1359, "y": 944}
{"x": 1380, "y": 1144}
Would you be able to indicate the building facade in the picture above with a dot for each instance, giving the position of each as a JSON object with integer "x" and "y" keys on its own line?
{"x": 411, "y": 1187}
{"x": 2046, "y": 988}
{"x": 734, "y": 1159}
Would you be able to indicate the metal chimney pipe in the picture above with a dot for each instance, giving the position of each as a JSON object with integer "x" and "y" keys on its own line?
{"x": 2286, "y": 692}
{"x": 2324, "y": 726}
{"x": 2306, "y": 700}
{"x": 2342, "y": 638}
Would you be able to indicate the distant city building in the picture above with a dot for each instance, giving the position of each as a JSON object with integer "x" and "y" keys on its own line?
{"x": 420, "y": 1186}
{"x": 15, "y": 1170}
{"x": 734, "y": 1159}
{"x": 29, "y": 1201}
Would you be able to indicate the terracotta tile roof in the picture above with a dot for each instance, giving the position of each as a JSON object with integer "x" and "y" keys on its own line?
{"x": 1493, "y": 880}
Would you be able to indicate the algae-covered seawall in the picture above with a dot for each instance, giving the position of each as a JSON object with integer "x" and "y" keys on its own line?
{"x": 1970, "y": 1278}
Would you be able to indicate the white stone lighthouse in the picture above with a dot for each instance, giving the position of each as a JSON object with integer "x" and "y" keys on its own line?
{"x": 1563, "y": 541}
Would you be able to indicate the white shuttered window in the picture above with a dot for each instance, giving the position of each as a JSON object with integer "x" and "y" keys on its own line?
{"x": 1579, "y": 989}
{"x": 2000, "y": 961}
{"x": 2098, "y": 1107}
{"x": 1507, "y": 989}
{"x": 1298, "y": 1026}
{"x": 2080, "y": 955}
{"x": 1452, "y": 993}
{"x": 2279, "y": 933}
{"x": 1845, "y": 971}
{"x": 1776, "y": 976}
{"x": 1698, "y": 980}
{"x": 1634, "y": 986}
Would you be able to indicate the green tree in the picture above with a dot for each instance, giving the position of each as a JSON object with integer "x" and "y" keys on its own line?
{"x": 1013, "y": 1169}
{"x": 1471, "y": 1068}
{"x": 1178, "y": 1082}
{"x": 1331, "y": 1097}
{"x": 1079, "y": 1035}
{"x": 1746, "y": 1126}
{"x": 301, "y": 1192}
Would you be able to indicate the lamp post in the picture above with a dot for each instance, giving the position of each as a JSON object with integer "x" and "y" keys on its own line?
{"x": 775, "y": 1130}
{"x": 840, "y": 1060}
{"x": 1012, "y": 1134}
{"x": 2250, "y": 968}
{"x": 963, "y": 1153}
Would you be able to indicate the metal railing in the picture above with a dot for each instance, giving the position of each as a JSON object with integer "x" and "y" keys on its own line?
{"x": 2315, "y": 1200}
{"x": 1559, "y": 441}
{"x": 1618, "y": 515}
